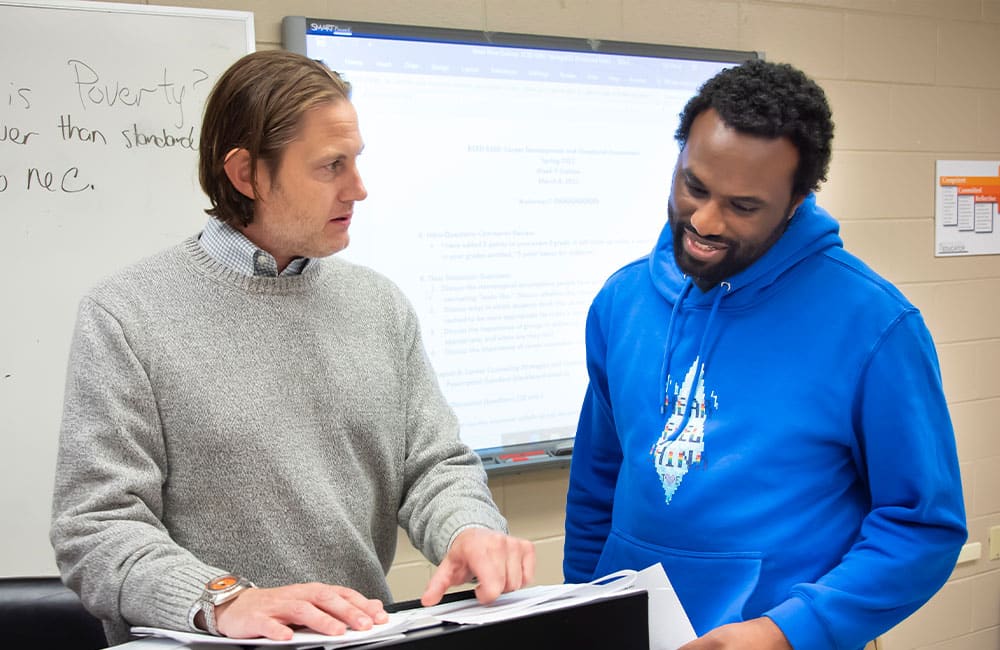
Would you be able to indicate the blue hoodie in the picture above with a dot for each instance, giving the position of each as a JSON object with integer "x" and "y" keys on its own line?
{"x": 780, "y": 443}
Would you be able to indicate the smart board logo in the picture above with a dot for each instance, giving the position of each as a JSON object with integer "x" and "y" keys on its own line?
{"x": 329, "y": 28}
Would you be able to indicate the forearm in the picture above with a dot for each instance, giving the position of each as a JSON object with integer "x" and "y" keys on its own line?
{"x": 445, "y": 487}
{"x": 111, "y": 546}
{"x": 445, "y": 492}
{"x": 593, "y": 474}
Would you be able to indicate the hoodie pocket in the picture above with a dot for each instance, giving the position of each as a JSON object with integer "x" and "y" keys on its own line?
{"x": 713, "y": 587}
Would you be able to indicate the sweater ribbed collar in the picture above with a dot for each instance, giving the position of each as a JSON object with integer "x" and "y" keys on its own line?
{"x": 204, "y": 264}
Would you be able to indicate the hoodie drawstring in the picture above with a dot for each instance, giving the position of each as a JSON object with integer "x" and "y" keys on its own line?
{"x": 725, "y": 288}
{"x": 665, "y": 366}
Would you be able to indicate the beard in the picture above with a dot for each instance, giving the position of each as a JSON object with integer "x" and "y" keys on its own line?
{"x": 739, "y": 254}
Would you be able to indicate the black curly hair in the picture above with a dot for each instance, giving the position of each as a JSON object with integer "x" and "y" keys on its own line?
{"x": 772, "y": 100}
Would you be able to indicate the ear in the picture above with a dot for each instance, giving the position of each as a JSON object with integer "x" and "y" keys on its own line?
{"x": 237, "y": 166}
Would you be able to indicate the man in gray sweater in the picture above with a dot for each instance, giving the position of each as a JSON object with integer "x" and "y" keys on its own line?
{"x": 245, "y": 422}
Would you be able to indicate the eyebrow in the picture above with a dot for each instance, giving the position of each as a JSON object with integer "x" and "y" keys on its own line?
{"x": 339, "y": 153}
{"x": 693, "y": 179}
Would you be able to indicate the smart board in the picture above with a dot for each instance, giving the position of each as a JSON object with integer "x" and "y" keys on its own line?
{"x": 509, "y": 175}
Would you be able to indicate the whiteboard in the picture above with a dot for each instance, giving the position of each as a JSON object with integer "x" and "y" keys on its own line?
{"x": 100, "y": 110}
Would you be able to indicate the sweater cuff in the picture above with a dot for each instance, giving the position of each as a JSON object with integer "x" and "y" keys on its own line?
{"x": 801, "y": 626}
{"x": 459, "y": 521}
{"x": 458, "y": 532}
{"x": 178, "y": 591}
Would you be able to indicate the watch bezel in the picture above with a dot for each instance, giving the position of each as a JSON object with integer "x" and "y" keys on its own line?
{"x": 220, "y": 590}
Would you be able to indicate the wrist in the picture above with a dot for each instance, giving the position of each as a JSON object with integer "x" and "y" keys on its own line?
{"x": 459, "y": 531}
{"x": 216, "y": 595}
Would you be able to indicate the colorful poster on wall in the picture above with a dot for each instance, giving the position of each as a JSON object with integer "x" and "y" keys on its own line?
{"x": 966, "y": 200}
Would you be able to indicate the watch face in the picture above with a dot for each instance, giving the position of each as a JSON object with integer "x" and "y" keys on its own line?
{"x": 223, "y": 583}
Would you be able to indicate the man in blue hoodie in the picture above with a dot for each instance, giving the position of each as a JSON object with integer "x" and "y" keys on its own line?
{"x": 765, "y": 414}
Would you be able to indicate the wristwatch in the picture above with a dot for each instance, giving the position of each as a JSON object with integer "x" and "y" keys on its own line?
{"x": 217, "y": 591}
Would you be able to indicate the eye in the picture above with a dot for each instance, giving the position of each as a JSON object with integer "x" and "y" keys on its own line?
{"x": 744, "y": 208}
{"x": 696, "y": 190}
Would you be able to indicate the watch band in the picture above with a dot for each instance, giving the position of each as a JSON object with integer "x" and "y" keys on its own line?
{"x": 209, "y": 610}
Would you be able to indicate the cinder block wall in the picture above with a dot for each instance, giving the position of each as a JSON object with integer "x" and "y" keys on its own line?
{"x": 911, "y": 81}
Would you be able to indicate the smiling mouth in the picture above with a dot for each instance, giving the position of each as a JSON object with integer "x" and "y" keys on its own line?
{"x": 702, "y": 250}
{"x": 706, "y": 246}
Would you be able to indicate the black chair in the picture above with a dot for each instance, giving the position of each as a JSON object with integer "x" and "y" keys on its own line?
{"x": 43, "y": 613}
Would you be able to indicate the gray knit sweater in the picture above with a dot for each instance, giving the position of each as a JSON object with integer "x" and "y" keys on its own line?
{"x": 277, "y": 428}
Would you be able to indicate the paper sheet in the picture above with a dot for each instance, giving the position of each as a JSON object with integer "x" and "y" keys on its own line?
{"x": 669, "y": 627}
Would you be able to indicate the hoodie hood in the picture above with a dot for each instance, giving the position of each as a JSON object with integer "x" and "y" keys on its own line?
{"x": 810, "y": 230}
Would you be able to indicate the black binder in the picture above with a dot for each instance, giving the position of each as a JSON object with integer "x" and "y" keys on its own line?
{"x": 619, "y": 622}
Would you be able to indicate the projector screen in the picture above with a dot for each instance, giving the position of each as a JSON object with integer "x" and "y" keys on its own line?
{"x": 508, "y": 176}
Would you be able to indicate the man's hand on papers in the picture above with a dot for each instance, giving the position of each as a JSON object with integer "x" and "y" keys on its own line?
{"x": 270, "y": 613}
{"x": 755, "y": 634}
{"x": 498, "y": 562}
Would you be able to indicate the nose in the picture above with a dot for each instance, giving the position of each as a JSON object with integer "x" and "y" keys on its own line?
{"x": 362, "y": 190}
{"x": 355, "y": 190}
{"x": 707, "y": 219}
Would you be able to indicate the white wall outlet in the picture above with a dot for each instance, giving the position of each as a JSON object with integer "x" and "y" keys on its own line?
{"x": 970, "y": 553}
